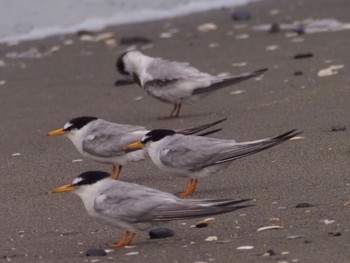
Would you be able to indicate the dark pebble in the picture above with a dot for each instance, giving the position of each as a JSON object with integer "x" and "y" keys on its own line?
{"x": 275, "y": 28}
{"x": 201, "y": 224}
{"x": 270, "y": 252}
{"x": 95, "y": 252}
{"x": 334, "y": 234}
{"x": 303, "y": 55}
{"x": 298, "y": 73}
{"x": 307, "y": 241}
{"x": 241, "y": 16}
{"x": 303, "y": 205}
{"x": 134, "y": 40}
{"x": 161, "y": 232}
{"x": 336, "y": 128}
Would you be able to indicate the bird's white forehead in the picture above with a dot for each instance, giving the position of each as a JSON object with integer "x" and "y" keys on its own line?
{"x": 77, "y": 180}
{"x": 68, "y": 124}
{"x": 145, "y": 137}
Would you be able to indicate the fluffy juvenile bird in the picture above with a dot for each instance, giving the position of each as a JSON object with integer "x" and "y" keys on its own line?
{"x": 104, "y": 142}
{"x": 133, "y": 207}
{"x": 196, "y": 157}
{"x": 174, "y": 82}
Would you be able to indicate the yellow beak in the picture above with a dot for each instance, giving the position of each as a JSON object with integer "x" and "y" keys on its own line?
{"x": 65, "y": 188}
{"x": 57, "y": 132}
{"x": 135, "y": 145}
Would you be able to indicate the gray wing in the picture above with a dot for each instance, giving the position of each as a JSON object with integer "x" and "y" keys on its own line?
{"x": 137, "y": 204}
{"x": 107, "y": 139}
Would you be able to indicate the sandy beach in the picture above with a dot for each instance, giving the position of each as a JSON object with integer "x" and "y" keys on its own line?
{"x": 45, "y": 83}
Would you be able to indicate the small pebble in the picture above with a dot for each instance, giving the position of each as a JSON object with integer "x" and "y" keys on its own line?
{"x": 298, "y": 73}
{"x": 328, "y": 222}
{"x": 295, "y": 236}
{"x": 336, "y": 128}
{"x": 95, "y": 252}
{"x": 132, "y": 253}
{"x": 161, "y": 232}
{"x": 272, "y": 47}
{"x": 211, "y": 238}
{"x": 269, "y": 253}
{"x": 166, "y": 35}
{"x": 241, "y": 16}
{"x": 201, "y": 224}
{"x": 303, "y": 205}
{"x": 244, "y": 247}
{"x": 2, "y": 82}
{"x": 303, "y": 55}
{"x": 207, "y": 27}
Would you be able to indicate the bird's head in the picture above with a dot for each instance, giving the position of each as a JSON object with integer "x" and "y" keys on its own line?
{"x": 152, "y": 136}
{"x": 73, "y": 126}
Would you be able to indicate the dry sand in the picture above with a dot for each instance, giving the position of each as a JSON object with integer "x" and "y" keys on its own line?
{"x": 40, "y": 94}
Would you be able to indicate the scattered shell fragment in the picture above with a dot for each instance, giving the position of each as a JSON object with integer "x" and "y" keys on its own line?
{"x": 272, "y": 48}
{"x": 2, "y": 63}
{"x": 111, "y": 42}
{"x": 268, "y": 228}
{"x": 240, "y": 26}
{"x": 347, "y": 204}
{"x": 297, "y": 138}
{"x": 244, "y": 247}
{"x": 77, "y": 160}
{"x": 2, "y": 82}
{"x": 298, "y": 39}
{"x": 138, "y": 98}
{"x": 213, "y": 45}
{"x": 331, "y": 70}
{"x": 291, "y": 34}
{"x": 294, "y": 236}
{"x": 328, "y": 222}
{"x": 207, "y": 27}
{"x": 55, "y": 48}
{"x": 239, "y": 64}
{"x": 68, "y": 42}
{"x": 132, "y": 253}
{"x": 269, "y": 253}
{"x": 104, "y": 36}
{"x": 236, "y": 92}
{"x": 211, "y": 238}
{"x": 285, "y": 253}
{"x": 274, "y": 12}
{"x": 209, "y": 219}
{"x": 16, "y": 154}
{"x": 166, "y": 35}
{"x": 242, "y": 36}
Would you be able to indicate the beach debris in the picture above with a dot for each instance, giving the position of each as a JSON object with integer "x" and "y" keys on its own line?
{"x": 331, "y": 70}
{"x": 95, "y": 252}
{"x": 16, "y": 154}
{"x": 309, "y": 26}
{"x": 211, "y": 238}
{"x": 201, "y": 224}
{"x": 328, "y": 222}
{"x": 242, "y": 36}
{"x": 274, "y": 12}
{"x": 291, "y": 34}
{"x": 297, "y": 138}
{"x": 111, "y": 42}
{"x": 166, "y": 35}
{"x": 213, "y": 45}
{"x": 68, "y": 42}
{"x": 303, "y": 205}
{"x": 132, "y": 253}
{"x": 303, "y": 55}
{"x": 297, "y": 39}
{"x": 161, "y": 232}
{"x": 236, "y": 92}
{"x": 275, "y": 28}
{"x": 206, "y": 27}
{"x": 134, "y": 40}
{"x": 283, "y": 253}
{"x": 336, "y": 128}
{"x": 264, "y": 228}
{"x": 298, "y": 73}
{"x": 241, "y": 16}
{"x": 269, "y": 253}
{"x": 138, "y": 98}
{"x": 295, "y": 236}
{"x": 2, "y": 63}
{"x": 334, "y": 234}
{"x": 2, "y": 82}
{"x": 244, "y": 248}
{"x": 77, "y": 160}
{"x": 272, "y": 48}
{"x": 239, "y": 64}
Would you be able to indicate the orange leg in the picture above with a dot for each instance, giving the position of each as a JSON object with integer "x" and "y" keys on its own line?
{"x": 191, "y": 188}
{"x": 173, "y": 111}
{"x": 126, "y": 240}
{"x": 115, "y": 173}
{"x": 177, "y": 111}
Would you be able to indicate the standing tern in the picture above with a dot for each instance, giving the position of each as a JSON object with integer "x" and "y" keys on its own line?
{"x": 196, "y": 157}
{"x": 133, "y": 207}
{"x": 174, "y": 82}
{"x": 104, "y": 142}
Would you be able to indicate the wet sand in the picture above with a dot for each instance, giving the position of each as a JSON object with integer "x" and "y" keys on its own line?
{"x": 38, "y": 95}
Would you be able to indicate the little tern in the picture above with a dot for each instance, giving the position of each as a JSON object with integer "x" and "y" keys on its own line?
{"x": 134, "y": 208}
{"x": 174, "y": 82}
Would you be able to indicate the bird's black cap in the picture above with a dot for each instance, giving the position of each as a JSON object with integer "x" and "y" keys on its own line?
{"x": 91, "y": 177}
{"x": 79, "y": 122}
{"x": 156, "y": 135}
{"x": 121, "y": 65}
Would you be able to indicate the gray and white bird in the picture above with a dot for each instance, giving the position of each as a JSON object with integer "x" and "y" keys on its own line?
{"x": 134, "y": 208}
{"x": 104, "y": 142}
{"x": 196, "y": 157}
{"x": 173, "y": 82}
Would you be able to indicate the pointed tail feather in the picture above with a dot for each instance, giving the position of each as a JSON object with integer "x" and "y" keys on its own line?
{"x": 192, "y": 130}
{"x": 230, "y": 81}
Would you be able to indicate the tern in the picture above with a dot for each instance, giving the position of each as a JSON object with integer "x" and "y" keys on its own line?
{"x": 196, "y": 157}
{"x": 173, "y": 82}
{"x": 134, "y": 208}
{"x": 104, "y": 142}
